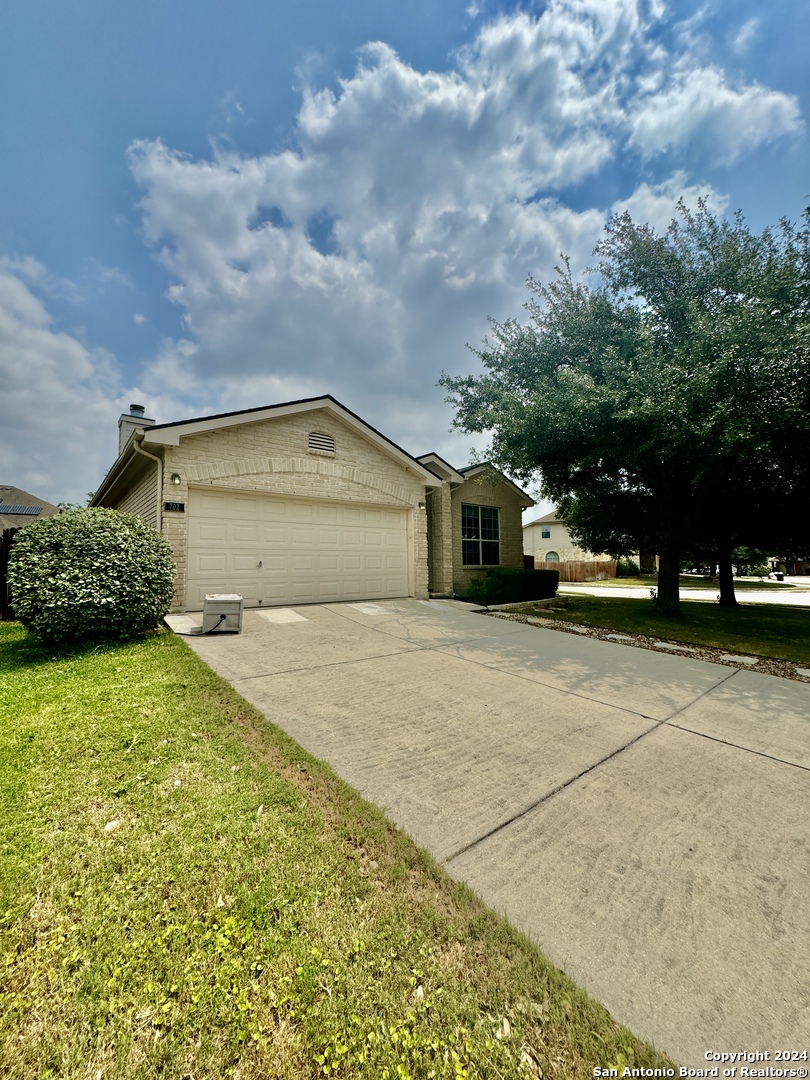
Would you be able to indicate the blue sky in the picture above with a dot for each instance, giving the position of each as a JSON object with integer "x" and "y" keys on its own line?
{"x": 209, "y": 207}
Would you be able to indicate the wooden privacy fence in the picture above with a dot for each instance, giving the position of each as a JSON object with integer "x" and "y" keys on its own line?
{"x": 596, "y": 570}
{"x": 6, "y": 537}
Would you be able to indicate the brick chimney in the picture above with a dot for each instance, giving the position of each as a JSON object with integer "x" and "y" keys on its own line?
{"x": 128, "y": 422}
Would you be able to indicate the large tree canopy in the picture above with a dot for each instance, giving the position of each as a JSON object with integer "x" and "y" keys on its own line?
{"x": 668, "y": 401}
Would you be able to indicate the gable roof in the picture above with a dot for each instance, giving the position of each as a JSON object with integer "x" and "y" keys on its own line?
{"x": 434, "y": 459}
{"x": 486, "y": 466}
{"x": 171, "y": 433}
{"x": 18, "y": 507}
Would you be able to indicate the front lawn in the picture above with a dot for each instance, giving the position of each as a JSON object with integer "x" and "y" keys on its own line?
{"x": 772, "y": 630}
{"x": 187, "y": 894}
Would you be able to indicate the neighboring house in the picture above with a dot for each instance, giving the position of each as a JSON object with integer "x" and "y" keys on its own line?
{"x": 19, "y": 508}
{"x": 548, "y": 540}
{"x": 304, "y": 502}
{"x": 474, "y": 522}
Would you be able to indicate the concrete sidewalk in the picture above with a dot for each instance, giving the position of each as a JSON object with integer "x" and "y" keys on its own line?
{"x": 799, "y": 598}
{"x": 642, "y": 816}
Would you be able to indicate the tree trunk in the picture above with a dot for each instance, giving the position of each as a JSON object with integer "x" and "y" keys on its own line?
{"x": 726, "y": 575}
{"x": 669, "y": 569}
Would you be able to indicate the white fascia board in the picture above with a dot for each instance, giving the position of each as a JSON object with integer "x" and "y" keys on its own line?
{"x": 433, "y": 459}
{"x": 171, "y": 435}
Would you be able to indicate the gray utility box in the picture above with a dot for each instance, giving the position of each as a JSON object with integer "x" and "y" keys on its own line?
{"x": 217, "y": 605}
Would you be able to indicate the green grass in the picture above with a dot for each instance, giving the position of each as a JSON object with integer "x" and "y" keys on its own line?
{"x": 772, "y": 630}
{"x": 688, "y": 581}
{"x": 187, "y": 894}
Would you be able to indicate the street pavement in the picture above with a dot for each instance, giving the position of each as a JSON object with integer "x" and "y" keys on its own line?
{"x": 642, "y": 816}
{"x": 798, "y": 596}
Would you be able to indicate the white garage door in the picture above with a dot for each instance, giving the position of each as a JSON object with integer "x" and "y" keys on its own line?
{"x": 276, "y": 550}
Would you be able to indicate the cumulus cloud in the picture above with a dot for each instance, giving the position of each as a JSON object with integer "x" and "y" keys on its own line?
{"x": 54, "y": 395}
{"x": 59, "y": 400}
{"x": 412, "y": 204}
{"x": 657, "y": 204}
{"x": 699, "y": 111}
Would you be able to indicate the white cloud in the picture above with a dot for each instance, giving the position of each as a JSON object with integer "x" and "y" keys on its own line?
{"x": 36, "y": 274}
{"x": 54, "y": 400}
{"x": 744, "y": 37}
{"x": 412, "y": 204}
{"x": 59, "y": 400}
{"x": 700, "y": 112}
{"x": 657, "y": 204}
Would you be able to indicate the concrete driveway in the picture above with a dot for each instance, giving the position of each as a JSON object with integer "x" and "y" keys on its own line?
{"x": 642, "y": 816}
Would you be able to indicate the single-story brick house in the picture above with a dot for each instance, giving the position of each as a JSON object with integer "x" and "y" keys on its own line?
{"x": 304, "y": 502}
{"x": 474, "y": 521}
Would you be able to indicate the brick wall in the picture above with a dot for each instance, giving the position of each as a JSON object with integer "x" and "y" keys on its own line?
{"x": 486, "y": 490}
{"x": 440, "y": 529}
{"x": 272, "y": 456}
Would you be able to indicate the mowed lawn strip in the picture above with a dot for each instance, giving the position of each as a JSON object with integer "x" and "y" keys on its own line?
{"x": 772, "y": 630}
{"x": 187, "y": 893}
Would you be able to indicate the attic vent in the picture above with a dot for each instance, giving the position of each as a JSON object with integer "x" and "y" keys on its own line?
{"x": 319, "y": 443}
{"x": 6, "y": 508}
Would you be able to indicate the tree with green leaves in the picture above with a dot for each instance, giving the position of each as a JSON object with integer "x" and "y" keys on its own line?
{"x": 666, "y": 401}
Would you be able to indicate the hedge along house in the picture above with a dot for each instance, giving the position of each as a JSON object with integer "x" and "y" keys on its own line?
{"x": 304, "y": 502}
{"x": 296, "y": 503}
{"x": 474, "y": 522}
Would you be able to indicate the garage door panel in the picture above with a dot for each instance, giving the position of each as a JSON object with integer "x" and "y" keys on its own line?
{"x": 275, "y": 563}
{"x": 212, "y": 533}
{"x": 273, "y": 536}
{"x": 276, "y": 550}
{"x": 243, "y": 563}
{"x": 244, "y": 534}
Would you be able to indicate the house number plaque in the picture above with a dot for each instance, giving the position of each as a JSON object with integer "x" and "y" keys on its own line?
{"x": 175, "y": 507}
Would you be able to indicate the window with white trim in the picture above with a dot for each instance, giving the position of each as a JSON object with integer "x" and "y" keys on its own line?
{"x": 545, "y": 532}
{"x": 480, "y": 535}
{"x": 552, "y": 556}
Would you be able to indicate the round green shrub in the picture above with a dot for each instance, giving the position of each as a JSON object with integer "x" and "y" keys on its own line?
{"x": 90, "y": 575}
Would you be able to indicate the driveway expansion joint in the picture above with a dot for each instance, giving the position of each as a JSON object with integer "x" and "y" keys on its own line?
{"x": 550, "y": 794}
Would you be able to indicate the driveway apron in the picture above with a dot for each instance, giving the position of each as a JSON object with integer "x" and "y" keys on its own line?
{"x": 642, "y": 816}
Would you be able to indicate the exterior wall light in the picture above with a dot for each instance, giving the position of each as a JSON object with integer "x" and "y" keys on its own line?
{"x": 176, "y": 478}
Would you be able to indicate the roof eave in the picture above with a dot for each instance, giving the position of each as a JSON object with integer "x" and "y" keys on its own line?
{"x": 170, "y": 434}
